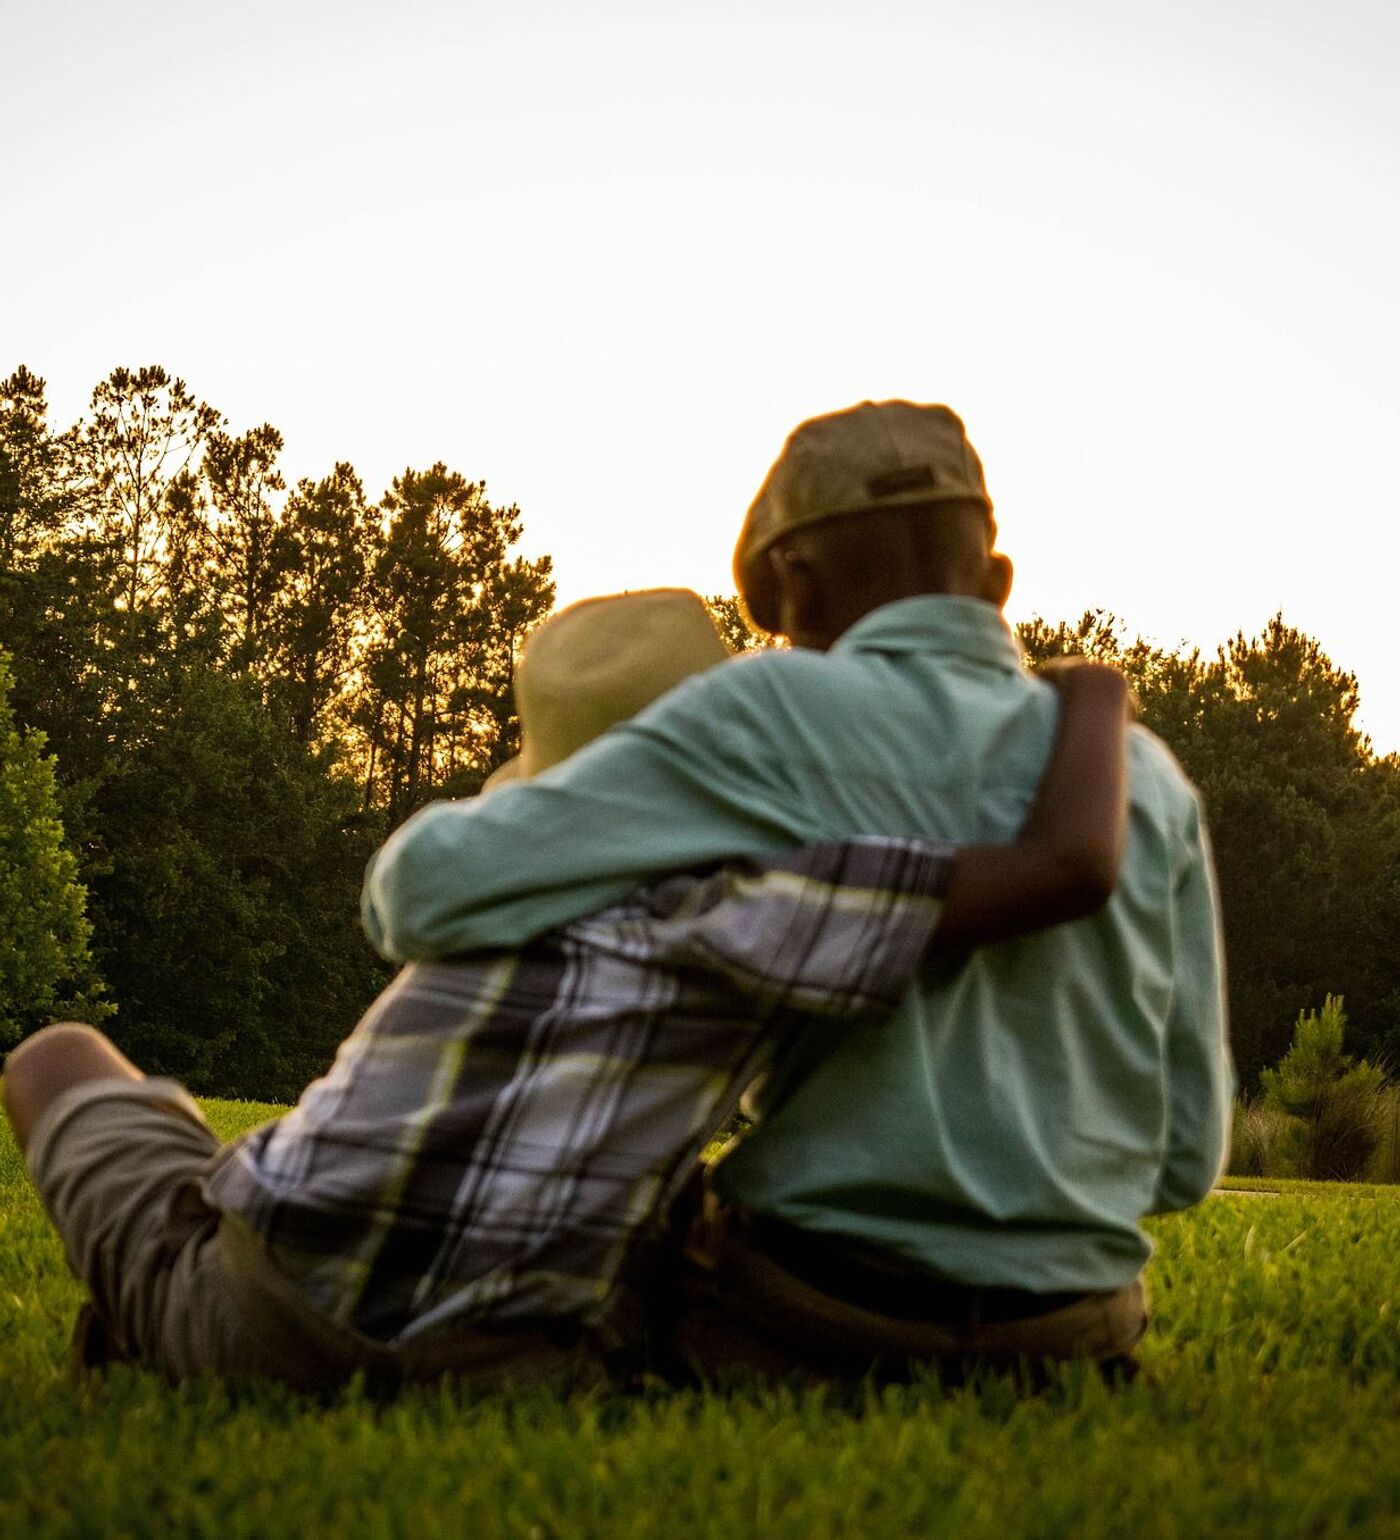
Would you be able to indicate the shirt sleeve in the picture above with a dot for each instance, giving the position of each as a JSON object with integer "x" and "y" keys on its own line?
{"x": 838, "y": 928}
{"x": 1200, "y": 1075}
{"x": 679, "y": 786}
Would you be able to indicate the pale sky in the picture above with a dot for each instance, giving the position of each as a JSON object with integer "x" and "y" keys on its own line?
{"x": 605, "y": 256}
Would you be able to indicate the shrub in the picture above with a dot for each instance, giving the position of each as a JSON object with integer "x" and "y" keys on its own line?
{"x": 1263, "y": 1141}
{"x": 1385, "y": 1162}
{"x": 1335, "y": 1104}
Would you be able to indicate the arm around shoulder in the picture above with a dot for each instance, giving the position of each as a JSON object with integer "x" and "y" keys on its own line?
{"x": 407, "y": 896}
{"x": 657, "y": 794}
{"x": 1064, "y": 863}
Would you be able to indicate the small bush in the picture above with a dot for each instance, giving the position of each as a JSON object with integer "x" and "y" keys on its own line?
{"x": 1263, "y": 1141}
{"x": 1335, "y": 1105}
{"x": 1385, "y": 1162}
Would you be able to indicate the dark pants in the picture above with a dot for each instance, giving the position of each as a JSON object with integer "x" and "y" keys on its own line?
{"x": 751, "y": 1298}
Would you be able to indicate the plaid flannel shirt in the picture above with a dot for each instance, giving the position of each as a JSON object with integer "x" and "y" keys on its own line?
{"x": 498, "y": 1130}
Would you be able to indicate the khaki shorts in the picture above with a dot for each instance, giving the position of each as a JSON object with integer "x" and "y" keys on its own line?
{"x": 119, "y": 1165}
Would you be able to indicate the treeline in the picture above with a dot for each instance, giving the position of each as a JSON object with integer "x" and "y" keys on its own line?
{"x": 226, "y": 690}
{"x": 241, "y": 685}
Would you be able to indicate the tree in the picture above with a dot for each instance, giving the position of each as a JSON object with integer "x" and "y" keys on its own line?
{"x": 218, "y": 677}
{"x": 1281, "y": 687}
{"x": 1304, "y": 825}
{"x": 1282, "y": 768}
{"x": 1167, "y": 684}
{"x": 52, "y": 585}
{"x": 138, "y": 451}
{"x": 514, "y": 598}
{"x": 45, "y": 966}
{"x": 449, "y": 610}
{"x": 317, "y": 613}
{"x": 225, "y": 910}
{"x": 734, "y": 626}
{"x": 36, "y": 493}
{"x": 247, "y": 554}
{"x": 1332, "y": 1100}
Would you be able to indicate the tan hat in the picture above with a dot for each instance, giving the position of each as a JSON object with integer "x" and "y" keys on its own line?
{"x": 598, "y": 663}
{"x": 880, "y": 454}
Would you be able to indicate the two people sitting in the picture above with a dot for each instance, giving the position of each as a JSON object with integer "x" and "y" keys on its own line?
{"x": 802, "y": 869}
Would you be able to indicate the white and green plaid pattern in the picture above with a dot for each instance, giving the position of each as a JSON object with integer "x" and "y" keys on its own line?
{"x": 497, "y": 1130}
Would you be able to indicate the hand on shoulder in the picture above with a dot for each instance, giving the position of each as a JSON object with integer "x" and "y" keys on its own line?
{"x": 1086, "y": 678}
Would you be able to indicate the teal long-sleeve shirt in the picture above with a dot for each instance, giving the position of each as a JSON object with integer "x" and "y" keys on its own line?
{"x": 1025, "y": 1106}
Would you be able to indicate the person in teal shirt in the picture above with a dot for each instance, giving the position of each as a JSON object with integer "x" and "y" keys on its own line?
{"x": 1002, "y": 1136}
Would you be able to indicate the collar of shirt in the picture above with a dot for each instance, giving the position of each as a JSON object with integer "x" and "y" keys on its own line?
{"x": 936, "y": 623}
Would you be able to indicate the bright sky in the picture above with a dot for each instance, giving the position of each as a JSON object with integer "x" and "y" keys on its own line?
{"x": 605, "y": 256}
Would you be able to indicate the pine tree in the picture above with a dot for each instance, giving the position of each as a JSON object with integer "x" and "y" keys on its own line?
{"x": 139, "y": 451}
{"x": 247, "y": 556}
{"x": 449, "y": 610}
{"x": 328, "y": 537}
{"x": 36, "y": 490}
{"x": 1333, "y": 1100}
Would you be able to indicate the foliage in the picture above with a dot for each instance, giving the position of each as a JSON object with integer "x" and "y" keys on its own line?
{"x": 1266, "y": 1407}
{"x": 225, "y": 910}
{"x": 35, "y": 493}
{"x": 242, "y": 687}
{"x": 136, "y": 453}
{"x": 1305, "y": 821}
{"x": 241, "y": 537}
{"x": 1320, "y": 1114}
{"x": 317, "y": 615}
{"x": 733, "y": 623}
{"x": 45, "y": 968}
{"x": 1262, "y": 1141}
{"x": 375, "y": 645}
{"x": 449, "y": 612}
{"x": 1331, "y": 1100}
{"x": 1385, "y": 1122}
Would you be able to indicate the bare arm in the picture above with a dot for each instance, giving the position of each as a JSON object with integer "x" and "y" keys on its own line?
{"x": 1064, "y": 863}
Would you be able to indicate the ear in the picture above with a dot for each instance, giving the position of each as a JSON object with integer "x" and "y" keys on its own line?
{"x": 801, "y": 603}
{"x": 999, "y": 575}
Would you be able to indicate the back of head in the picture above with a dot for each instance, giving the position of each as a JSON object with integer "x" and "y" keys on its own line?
{"x": 868, "y": 490}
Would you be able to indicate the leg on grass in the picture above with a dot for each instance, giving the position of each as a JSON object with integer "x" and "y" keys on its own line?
{"x": 48, "y": 1063}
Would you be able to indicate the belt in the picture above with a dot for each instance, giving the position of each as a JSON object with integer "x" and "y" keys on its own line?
{"x": 888, "y": 1286}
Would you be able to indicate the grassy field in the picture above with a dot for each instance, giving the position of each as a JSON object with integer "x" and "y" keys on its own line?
{"x": 1269, "y": 1407}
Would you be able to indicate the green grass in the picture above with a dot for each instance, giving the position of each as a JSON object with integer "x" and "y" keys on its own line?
{"x": 1299, "y": 1187}
{"x": 1269, "y": 1407}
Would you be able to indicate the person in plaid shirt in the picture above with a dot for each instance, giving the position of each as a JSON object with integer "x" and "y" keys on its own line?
{"x": 473, "y": 1184}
